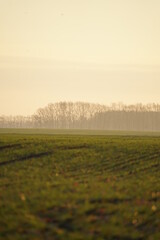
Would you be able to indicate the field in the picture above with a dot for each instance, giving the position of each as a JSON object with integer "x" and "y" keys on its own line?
{"x": 72, "y": 186}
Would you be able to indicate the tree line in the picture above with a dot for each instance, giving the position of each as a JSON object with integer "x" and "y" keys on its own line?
{"x": 83, "y": 115}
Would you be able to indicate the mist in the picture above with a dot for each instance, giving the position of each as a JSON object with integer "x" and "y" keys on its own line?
{"x": 89, "y": 51}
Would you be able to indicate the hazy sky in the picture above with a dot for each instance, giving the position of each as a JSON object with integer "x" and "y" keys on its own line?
{"x": 88, "y": 50}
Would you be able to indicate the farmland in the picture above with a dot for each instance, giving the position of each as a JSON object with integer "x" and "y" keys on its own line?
{"x": 79, "y": 185}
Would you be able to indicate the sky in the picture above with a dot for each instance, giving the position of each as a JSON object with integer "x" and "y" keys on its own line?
{"x": 100, "y": 51}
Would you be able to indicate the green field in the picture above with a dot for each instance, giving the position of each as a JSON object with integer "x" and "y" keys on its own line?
{"x": 75, "y": 132}
{"x": 79, "y": 185}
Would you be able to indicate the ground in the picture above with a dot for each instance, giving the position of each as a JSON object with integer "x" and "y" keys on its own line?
{"x": 60, "y": 186}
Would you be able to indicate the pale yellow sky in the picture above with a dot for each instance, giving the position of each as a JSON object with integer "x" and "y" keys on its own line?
{"x": 90, "y": 50}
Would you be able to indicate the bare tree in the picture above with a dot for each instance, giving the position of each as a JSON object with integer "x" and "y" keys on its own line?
{"x": 83, "y": 115}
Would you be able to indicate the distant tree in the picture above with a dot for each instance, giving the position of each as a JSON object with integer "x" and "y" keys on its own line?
{"x": 83, "y": 115}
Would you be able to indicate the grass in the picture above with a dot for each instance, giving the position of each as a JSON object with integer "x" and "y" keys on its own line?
{"x": 79, "y": 186}
{"x": 75, "y": 132}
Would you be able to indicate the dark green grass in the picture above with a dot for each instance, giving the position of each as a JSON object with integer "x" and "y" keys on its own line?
{"x": 79, "y": 187}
